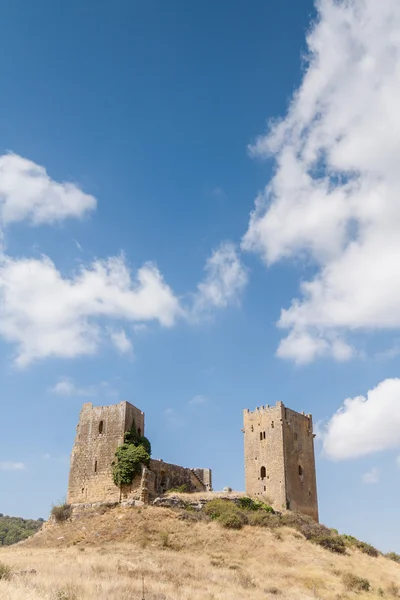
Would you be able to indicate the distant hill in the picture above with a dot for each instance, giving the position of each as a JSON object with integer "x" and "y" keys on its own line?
{"x": 15, "y": 529}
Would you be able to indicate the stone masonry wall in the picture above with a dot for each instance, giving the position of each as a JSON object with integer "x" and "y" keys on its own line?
{"x": 264, "y": 457}
{"x": 301, "y": 484}
{"x": 169, "y": 476}
{"x": 279, "y": 458}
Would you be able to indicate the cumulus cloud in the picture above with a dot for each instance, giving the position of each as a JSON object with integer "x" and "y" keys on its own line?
{"x": 371, "y": 476}
{"x": 334, "y": 195}
{"x": 120, "y": 340}
{"x": 28, "y": 193}
{"x": 66, "y": 386}
{"x": 199, "y": 399}
{"x": 11, "y": 466}
{"x": 46, "y": 314}
{"x": 365, "y": 424}
{"x": 226, "y": 277}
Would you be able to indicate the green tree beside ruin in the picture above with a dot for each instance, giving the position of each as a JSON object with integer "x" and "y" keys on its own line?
{"x": 130, "y": 457}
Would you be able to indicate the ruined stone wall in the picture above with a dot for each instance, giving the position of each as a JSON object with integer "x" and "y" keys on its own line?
{"x": 205, "y": 475}
{"x": 264, "y": 456}
{"x": 99, "y": 433}
{"x": 279, "y": 458}
{"x": 301, "y": 484}
{"x": 169, "y": 476}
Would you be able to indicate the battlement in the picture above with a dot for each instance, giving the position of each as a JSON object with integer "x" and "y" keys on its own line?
{"x": 267, "y": 407}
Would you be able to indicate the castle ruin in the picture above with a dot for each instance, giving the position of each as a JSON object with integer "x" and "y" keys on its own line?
{"x": 278, "y": 453}
{"x": 279, "y": 458}
{"x": 100, "y": 431}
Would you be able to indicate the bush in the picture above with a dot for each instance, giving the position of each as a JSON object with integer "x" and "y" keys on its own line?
{"x": 249, "y": 504}
{"x": 355, "y": 583}
{"x": 263, "y": 519}
{"x": 218, "y": 507}
{"x": 231, "y": 520}
{"x": 393, "y": 556}
{"x": 334, "y": 543}
{"x": 362, "y": 546}
{"x": 5, "y": 571}
{"x": 305, "y": 525}
{"x": 61, "y": 513}
{"x": 180, "y": 489}
{"x": 226, "y": 513}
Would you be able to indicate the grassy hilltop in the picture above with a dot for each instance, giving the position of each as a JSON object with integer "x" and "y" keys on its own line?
{"x": 223, "y": 552}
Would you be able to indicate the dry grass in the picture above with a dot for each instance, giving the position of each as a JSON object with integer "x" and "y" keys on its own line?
{"x": 104, "y": 557}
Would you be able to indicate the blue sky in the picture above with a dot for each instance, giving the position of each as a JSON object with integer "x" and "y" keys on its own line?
{"x": 134, "y": 141}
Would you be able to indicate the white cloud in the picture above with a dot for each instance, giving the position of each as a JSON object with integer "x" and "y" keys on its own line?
{"x": 199, "y": 399}
{"x": 334, "y": 196}
{"x": 364, "y": 425}
{"x": 371, "y": 476}
{"x": 28, "y": 193}
{"x": 11, "y": 466}
{"x": 66, "y": 386}
{"x": 120, "y": 340}
{"x": 46, "y": 314}
{"x": 225, "y": 280}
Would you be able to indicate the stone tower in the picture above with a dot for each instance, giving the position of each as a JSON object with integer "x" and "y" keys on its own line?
{"x": 279, "y": 458}
{"x": 99, "y": 432}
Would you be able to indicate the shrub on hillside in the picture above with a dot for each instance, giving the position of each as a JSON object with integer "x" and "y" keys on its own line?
{"x": 305, "y": 525}
{"x": 393, "y": 556}
{"x": 334, "y": 543}
{"x": 226, "y": 513}
{"x": 61, "y": 513}
{"x": 232, "y": 520}
{"x": 354, "y": 583}
{"x": 249, "y": 504}
{"x": 353, "y": 542}
{"x": 264, "y": 519}
{"x": 5, "y": 571}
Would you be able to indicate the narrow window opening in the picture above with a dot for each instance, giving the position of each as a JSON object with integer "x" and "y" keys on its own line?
{"x": 83, "y": 489}
{"x": 101, "y": 426}
{"x": 263, "y": 472}
{"x": 95, "y": 466}
{"x": 252, "y": 427}
{"x": 265, "y": 488}
{"x": 139, "y": 431}
{"x": 261, "y": 436}
{"x": 272, "y": 424}
{"x": 295, "y": 436}
{"x": 264, "y": 435}
{"x": 300, "y": 470}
